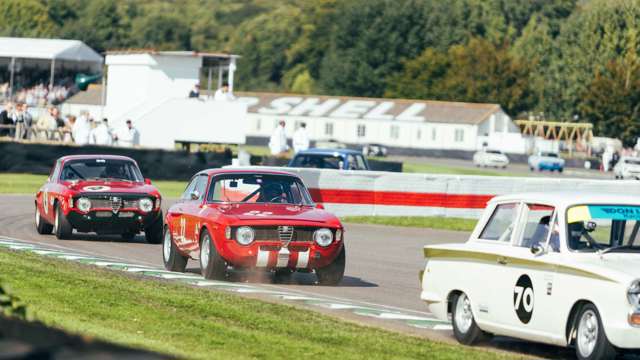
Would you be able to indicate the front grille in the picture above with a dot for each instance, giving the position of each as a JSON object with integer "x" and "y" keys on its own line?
{"x": 276, "y": 233}
{"x": 115, "y": 202}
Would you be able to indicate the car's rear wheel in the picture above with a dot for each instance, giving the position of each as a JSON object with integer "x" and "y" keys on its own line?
{"x": 333, "y": 273}
{"x": 42, "y": 226}
{"x": 591, "y": 341}
{"x": 212, "y": 265}
{"x": 61, "y": 226}
{"x": 173, "y": 260}
{"x": 153, "y": 233}
{"x": 465, "y": 329}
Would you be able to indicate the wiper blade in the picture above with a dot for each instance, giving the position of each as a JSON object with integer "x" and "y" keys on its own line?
{"x": 619, "y": 247}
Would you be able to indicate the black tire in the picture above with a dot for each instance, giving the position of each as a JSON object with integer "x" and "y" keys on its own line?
{"x": 472, "y": 334}
{"x": 281, "y": 276}
{"x": 173, "y": 260}
{"x": 560, "y": 170}
{"x": 587, "y": 318}
{"x": 128, "y": 236}
{"x": 333, "y": 273}
{"x": 42, "y": 226}
{"x": 153, "y": 233}
{"x": 61, "y": 227}
{"x": 531, "y": 168}
{"x": 212, "y": 266}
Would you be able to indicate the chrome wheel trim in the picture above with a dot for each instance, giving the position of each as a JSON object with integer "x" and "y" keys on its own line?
{"x": 166, "y": 245}
{"x": 37, "y": 216}
{"x": 464, "y": 315}
{"x": 204, "y": 252}
{"x": 587, "y": 337}
{"x": 56, "y": 222}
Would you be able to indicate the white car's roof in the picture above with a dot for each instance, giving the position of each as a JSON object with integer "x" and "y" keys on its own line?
{"x": 566, "y": 199}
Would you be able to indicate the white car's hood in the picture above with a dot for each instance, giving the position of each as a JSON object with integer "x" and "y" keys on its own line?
{"x": 621, "y": 267}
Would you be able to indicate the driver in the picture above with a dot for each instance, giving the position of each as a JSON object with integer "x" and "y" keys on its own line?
{"x": 113, "y": 171}
{"x": 273, "y": 193}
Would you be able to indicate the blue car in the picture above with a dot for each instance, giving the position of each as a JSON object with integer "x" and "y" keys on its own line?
{"x": 340, "y": 159}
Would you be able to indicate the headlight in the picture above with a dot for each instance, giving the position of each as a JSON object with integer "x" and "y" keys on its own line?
{"x": 83, "y": 204}
{"x": 245, "y": 235}
{"x": 633, "y": 294}
{"x": 145, "y": 204}
{"x": 323, "y": 237}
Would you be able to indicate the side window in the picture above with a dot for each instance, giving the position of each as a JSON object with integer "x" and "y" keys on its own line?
{"x": 55, "y": 173}
{"x": 201, "y": 185}
{"x": 186, "y": 195}
{"x": 501, "y": 223}
{"x": 536, "y": 229}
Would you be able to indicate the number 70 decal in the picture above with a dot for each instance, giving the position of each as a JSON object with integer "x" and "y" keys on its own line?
{"x": 523, "y": 298}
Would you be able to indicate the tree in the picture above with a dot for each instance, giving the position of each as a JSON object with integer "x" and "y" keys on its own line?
{"x": 25, "y": 18}
{"x": 162, "y": 31}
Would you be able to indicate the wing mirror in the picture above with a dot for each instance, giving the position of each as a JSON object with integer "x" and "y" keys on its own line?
{"x": 590, "y": 226}
{"x": 319, "y": 206}
{"x": 195, "y": 195}
{"x": 537, "y": 249}
{"x": 147, "y": 181}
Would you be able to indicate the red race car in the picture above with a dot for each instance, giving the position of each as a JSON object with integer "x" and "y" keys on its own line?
{"x": 252, "y": 219}
{"x": 98, "y": 193}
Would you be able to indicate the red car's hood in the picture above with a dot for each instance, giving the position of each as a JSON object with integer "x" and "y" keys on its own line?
{"x": 267, "y": 212}
{"x": 102, "y": 186}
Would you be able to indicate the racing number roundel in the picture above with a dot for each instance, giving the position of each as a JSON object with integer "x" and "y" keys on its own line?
{"x": 523, "y": 298}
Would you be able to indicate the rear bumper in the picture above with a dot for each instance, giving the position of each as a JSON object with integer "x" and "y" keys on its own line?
{"x": 108, "y": 222}
{"x": 550, "y": 166}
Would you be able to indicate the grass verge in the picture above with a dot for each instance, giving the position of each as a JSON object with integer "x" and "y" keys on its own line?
{"x": 11, "y": 183}
{"x": 433, "y": 222}
{"x": 196, "y": 323}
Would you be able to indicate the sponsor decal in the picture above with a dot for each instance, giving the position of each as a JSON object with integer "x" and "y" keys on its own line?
{"x": 258, "y": 213}
{"x": 523, "y": 299}
{"x": 45, "y": 202}
{"x": 588, "y": 212}
{"x": 96, "y": 188}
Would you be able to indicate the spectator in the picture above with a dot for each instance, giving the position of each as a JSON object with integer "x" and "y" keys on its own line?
{"x": 102, "y": 134}
{"x": 6, "y": 119}
{"x": 223, "y": 94}
{"x": 301, "y": 138}
{"x": 67, "y": 130}
{"x": 45, "y": 125}
{"x": 23, "y": 121}
{"x": 81, "y": 129}
{"x": 278, "y": 141}
{"x": 195, "y": 92}
{"x": 128, "y": 136}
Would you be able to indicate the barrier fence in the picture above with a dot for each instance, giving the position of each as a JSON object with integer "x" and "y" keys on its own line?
{"x": 350, "y": 193}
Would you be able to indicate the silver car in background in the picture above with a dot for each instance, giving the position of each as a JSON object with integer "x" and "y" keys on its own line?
{"x": 493, "y": 158}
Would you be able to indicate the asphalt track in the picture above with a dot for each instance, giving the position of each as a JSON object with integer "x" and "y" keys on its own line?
{"x": 382, "y": 267}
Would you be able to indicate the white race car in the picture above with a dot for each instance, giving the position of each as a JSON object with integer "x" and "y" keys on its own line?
{"x": 627, "y": 168}
{"x": 561, "y": 269}
{"x": 494, "y": 158}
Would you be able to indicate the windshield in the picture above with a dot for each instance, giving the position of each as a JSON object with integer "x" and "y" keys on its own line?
{"x": 100, "y": 169}
{"x": 318, "y": 161}
{"x": 259, "y": 188}
{"x": 549, "y": 154}
{"x": 632, "y": 161}
{"x": 602, "y": 227}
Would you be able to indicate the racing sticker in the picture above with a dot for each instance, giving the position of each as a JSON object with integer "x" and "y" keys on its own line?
{"x": 523, "y": 298}
{"x": 96, "y": 188}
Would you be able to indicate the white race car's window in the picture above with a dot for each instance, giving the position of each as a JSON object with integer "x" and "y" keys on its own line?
{"x": 536, "y": 229}
{"x": 501, "y": 223}
{"x": 603, "y": 227}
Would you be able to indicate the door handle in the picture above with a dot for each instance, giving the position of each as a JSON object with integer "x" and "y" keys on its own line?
{"x": 502, "y": 260}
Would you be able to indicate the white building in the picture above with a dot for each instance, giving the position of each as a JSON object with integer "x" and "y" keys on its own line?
{"x": 398, "y": 123}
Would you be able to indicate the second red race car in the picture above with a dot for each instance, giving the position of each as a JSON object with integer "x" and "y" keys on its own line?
{"x": 249, "y": 219}
{"x": 104, "y": 194}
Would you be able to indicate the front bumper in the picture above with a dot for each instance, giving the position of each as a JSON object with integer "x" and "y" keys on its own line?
{"x": 109, "y": 222}
{"x": 623, "y": 336}
{"x": 272, "y": 255}
{"x": 550, "y": 166}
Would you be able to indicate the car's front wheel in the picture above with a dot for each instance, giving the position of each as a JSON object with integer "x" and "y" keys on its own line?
{"x": 212, "y": 265}
{"x": 61, "y": 226}
{"x": 591, "y": 341}
{"x": 42, "y": 226}
{"x": 465, "y": 329}
{"x": 153, "y": 233}
{"x": 173, "y": 260}
{"x": 333, "y": 273}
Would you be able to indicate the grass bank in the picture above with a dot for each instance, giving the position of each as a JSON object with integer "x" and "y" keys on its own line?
{"x": 11, "y": 183}
{"x": 440, "y": 223}
{"x": 196, "y": 323}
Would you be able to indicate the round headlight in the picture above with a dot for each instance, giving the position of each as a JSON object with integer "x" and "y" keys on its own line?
{"x": 245, "y": 235}
{"x": 323, "y": 237}
{"x": 633, "y": 294}
{"x": 145, "y": 204}
{"x": 83, "y": 204}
